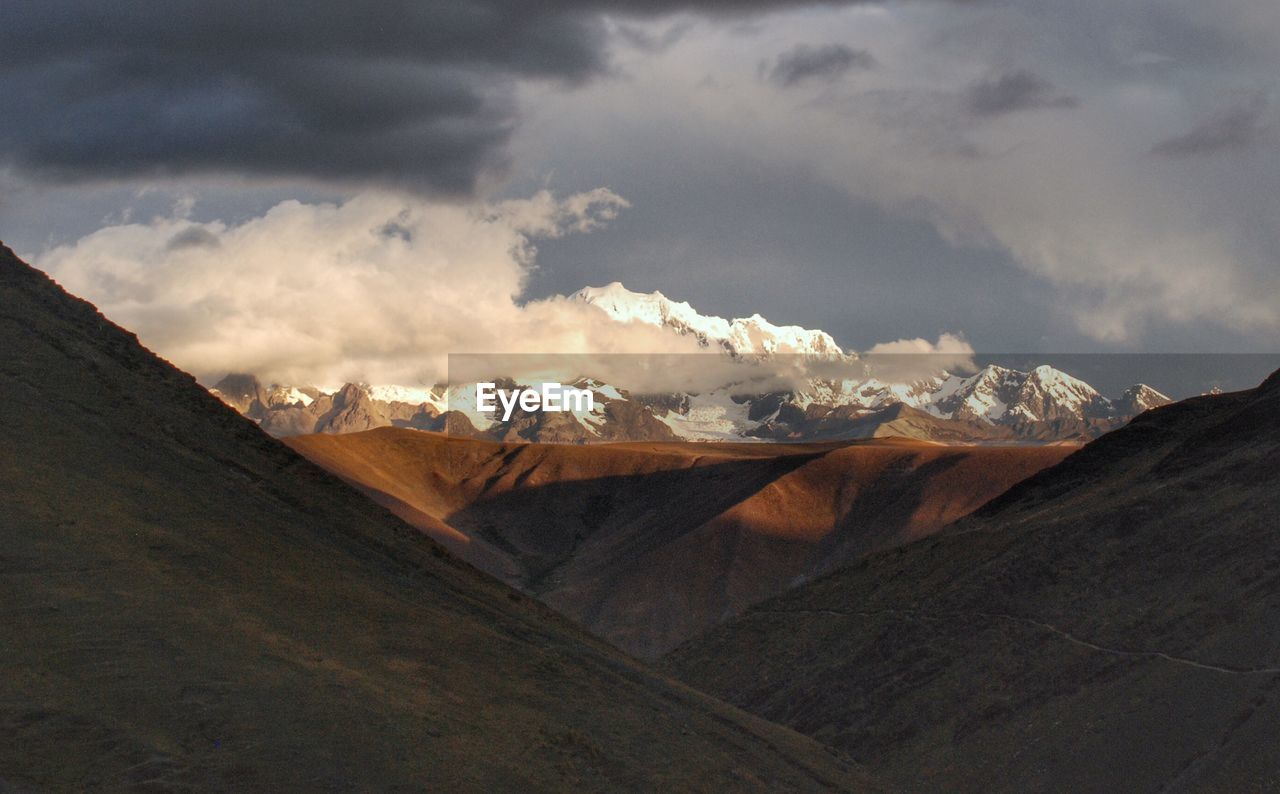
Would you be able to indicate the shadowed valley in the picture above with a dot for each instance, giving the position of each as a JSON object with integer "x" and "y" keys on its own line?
{"x": 649, "y": 544}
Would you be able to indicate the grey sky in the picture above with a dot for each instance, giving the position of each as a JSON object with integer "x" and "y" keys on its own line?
{"x": 828, "y": 62}
{"x": 1038, "y": 176}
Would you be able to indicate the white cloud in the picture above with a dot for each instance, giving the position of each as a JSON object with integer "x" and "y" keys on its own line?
{"x": 912, "y": 359}
{"x": 383, "y": 287}
{"x": 947, "y": 344}
{"x": 379, "y": 288}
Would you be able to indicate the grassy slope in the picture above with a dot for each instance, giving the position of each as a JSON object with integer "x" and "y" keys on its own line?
{"x": 186, "y": 601}
{"x": 1111, "y": 624}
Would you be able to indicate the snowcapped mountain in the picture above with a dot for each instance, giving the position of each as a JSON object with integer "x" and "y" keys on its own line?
{"x": 1140, "y": 397}
{"x": 291, "y": 410}
{"x": 741, "y": 336}
{"x": 992, "y": 405}
{"x": 997, "y": 395}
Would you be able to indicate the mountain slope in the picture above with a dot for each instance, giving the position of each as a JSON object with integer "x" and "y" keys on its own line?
{"x": 1114, "y": 622}
{"x": 648, "y": 545}
{"x": 188, "y": 603}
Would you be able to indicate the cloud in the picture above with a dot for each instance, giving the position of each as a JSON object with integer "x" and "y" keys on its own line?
{"x": 415, "y": 95}
{"x": 828, "y": 62}
{"x": 1064, "y": 236}
{"x": 1014, "y": 91}
{"x": 653, "y": 41}
{"x": 913, "y": 359}
{"x": 947, "y": 345}
{"x": 192, "y": 237}
{"x": 1236, "y": 127}
{"x": 323, "y": 293}
{"x": 390, "y": 288}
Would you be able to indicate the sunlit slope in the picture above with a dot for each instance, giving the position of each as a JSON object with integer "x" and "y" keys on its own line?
{"x": 649, "y": 544}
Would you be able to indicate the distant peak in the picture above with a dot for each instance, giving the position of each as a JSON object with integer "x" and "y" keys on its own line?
{"x": 751, "y": 335}
{"x": 993, "y": 372}
{"x": 1140, "y": 397}
{"x": 239, "y": 383}
{"x": 1048, "y": 374}
{"x": 615, "y": 290}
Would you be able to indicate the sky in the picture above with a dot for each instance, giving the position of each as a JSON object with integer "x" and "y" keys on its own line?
{"x": 344, "y": 190}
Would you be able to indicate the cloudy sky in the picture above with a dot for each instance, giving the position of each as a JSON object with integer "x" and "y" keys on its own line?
{"x": 332, "y": 192}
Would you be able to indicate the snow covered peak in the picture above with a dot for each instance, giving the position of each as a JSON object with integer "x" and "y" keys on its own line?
{"x": 1141, "y": 397}
{"x": 1051, "y": 377}
{"x": 993, "y": 375}
{"x": 279, "y": 395}
{"x": 998, "y": 395}
{"x": 756, "y": 335}
{"x": 652, "y": 308}
{"x": 983, "y": 396}
{"x": 752, "y": 335}
{"x": 1052, "y": 384}
{"x": 410, "y": 395}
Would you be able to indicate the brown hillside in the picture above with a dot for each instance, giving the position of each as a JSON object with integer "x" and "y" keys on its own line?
{"x": 189, "y": 604}
{"x": 650, "y": 544}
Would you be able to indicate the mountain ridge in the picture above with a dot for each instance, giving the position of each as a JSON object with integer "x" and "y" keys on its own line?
{"x": 1109, "y": 620}
{"x": 741, "y": 336}
{"x": 192, "y": 604}
{"x": 995, "y": 404}
{"x": 649, "y": 544}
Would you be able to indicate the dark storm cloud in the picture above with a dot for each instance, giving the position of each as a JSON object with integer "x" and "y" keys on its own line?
{"x": 1014, "y": 91}
{"x": 413, "y": 93}
{"x": 655, "y": 43}
{"x": 1235, "y": 127}
{"x": 828, "y": 62}
{"x": 193, "y": 237}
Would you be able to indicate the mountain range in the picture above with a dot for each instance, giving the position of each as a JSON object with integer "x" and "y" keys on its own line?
{"x": 991, "y": 405}
{"x": 189, "y": 604}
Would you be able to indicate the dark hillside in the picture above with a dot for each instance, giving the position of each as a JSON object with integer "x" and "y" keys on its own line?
{"x": 1112, "y": 623}
{"x": 188, "y": 603}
